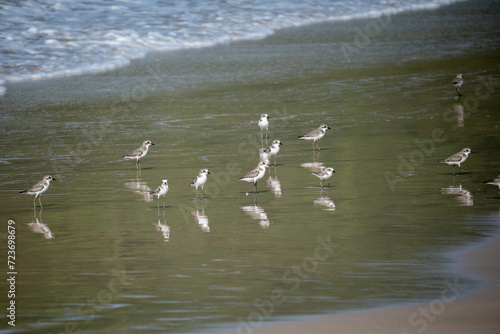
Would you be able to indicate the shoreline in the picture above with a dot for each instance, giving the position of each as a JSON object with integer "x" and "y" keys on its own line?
{"x": 116, "y": 63}
{"x": 456, "y": 310}
{"x": 393, "y": 244}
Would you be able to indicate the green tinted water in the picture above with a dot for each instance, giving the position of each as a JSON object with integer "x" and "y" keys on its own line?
{"x": 374, "y": 237}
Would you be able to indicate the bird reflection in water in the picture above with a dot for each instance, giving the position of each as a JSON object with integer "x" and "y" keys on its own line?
{"x": 38, "y": 226}
{"x": 463, "y": 196}
{"x": 459, "y": 112}
{"x": 314, "y": 166}
{"x": 140, "y": 188}
{"x": 163, "y": 228}
{"x": 274, "y": 183}
{"x": 325, "y": 201}
{"x": 256, "y": 212}
{"x": 200, "y": 217}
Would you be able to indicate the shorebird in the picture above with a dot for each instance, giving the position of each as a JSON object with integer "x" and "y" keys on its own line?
{"x": 39, "y": 189}
{"x": 139, "y": 153}
{"x": 324, "y": 174}
{"x": 457, "y": 82}
{"x": 162, "y": 190}
{"x": 264, "y": 124}
{"x": 457, "y": 158}
{"x": 200, "y": 180}
{"x": 494, "y": 182}
{"x": 316, "y": 135}
{"x": 255, "y": 174}
{"x": 273, "y": 149}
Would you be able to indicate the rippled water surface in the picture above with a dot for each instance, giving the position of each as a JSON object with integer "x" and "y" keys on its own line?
{"x": 376, "y": 235}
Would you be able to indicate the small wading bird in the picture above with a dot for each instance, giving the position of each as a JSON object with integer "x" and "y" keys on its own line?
{"x": 457, "y": 158}
{"x": 273, "y": 149}
{"x": 39, "y": 189}
{"x": 200, "y": 180}
{"x": 264, "y": 124}
{"x": 255, "y": 175}
{"x": 162, "y": 190}
{"x": 324, "y": 175}
{"x": 457, "y": 82}
{"x": 316, "y": 135}
{"x": 494, "y": 182}
{"x": 139, "y": 153}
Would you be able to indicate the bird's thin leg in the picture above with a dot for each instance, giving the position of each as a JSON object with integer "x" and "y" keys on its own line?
{"x": 453, "y": 170}
{"x": 255, "y": 188}
{"x": 458, "y": 92}
{"x": 163, "y": 203}
{"x": 40, "y": 201}
{"x": 318, "y": 147}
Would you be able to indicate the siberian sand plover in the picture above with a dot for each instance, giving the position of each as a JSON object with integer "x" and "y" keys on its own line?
{"x": 273, "y": 149}
{"x": 39, "y": 189}
{"x": 200, "y": 180}
{"x": 255, "y": 174}
{"x": 263, "y": 124}
{"x": 324, "y": 175}
{"x": 457, "y": 82}
{"x": 161, "y": 190}
{"x": 139, "y": 153}
{"x": 457, "y": 158}
{"x": 316, "y": 135}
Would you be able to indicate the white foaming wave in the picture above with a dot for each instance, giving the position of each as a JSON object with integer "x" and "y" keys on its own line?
{"x": 71, "y": 37}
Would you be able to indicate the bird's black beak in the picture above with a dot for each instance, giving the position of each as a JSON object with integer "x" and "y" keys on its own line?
{"x": 329, "y": 127}
{"x": 208, "y": 172}
{"x": 152, "y": 143}
{"x": 281, "y": 143}
{"x": 53, "y": 179}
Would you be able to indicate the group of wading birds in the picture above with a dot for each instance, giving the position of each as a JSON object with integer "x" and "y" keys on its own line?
{"x": 199, "y": 181}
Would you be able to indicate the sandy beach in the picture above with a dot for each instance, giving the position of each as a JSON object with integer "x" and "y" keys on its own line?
{"x": 453, "y": 311}
{"x": 367, "y": 253}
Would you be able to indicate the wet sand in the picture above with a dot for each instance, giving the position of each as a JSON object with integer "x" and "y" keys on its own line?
{"x": 381, "y": 92}
{"x": 453, "y": 311}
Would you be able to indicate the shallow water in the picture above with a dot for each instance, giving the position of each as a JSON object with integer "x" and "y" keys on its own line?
{"x": 43, "y": 40}
{"x": 235, "y": 258}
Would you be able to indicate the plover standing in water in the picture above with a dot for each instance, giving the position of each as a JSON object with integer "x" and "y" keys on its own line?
{"x": 457, "y": 82}
{"x": 273, "y": 149}
{"x": 162, "y": 190}
{"x": 139, "y": 153}
{"x": 200, "y": 180}
{"x": 316, "y": 135}
{"x": 39, "y": 189}
{"x": 494, "y": 182}
{"x": 457, "y": 158}
{"x": 255, "y": 174}
{"x": 324, "y": 175}
{"x": 264, "y": 124}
